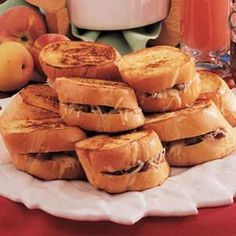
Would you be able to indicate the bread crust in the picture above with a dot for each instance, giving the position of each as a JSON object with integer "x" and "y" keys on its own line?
{"x": 215, "y": 88}
{"x": 59, "y": 168}
{"x": 85, "y": 59}
{"x": 131, "y": 182}
{"x": 18, "y": 109}
{"x": 201, "y": 118}
{"x": 42, "y": 96}
{"x": 122, "y": 121}
{"x": 172, "y": 99}
{"x": 49, "y": 135}
{"x": 110, "y": 153}
{"x": 156, "y": 69}
{"x": 95, "y": 92}
{"x": 106, "y": 154}
{"x": 207, "y": 150}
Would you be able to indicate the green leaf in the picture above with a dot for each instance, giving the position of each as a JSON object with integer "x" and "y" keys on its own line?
{"x": 12, "y": 3}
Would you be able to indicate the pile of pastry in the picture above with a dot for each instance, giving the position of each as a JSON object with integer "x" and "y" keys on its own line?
{"x": 118, "y": 122}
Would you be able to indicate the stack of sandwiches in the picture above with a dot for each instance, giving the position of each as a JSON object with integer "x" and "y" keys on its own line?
{"x": 193, "y": 135}
{"x": 129, "y": 162}
{"x": 98, "y": 105}
{"x": 164, "y": 78}
{"x": 119, "y": 122}
{"x": 38, "y": 140}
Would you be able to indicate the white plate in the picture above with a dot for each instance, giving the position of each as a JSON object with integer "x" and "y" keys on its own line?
{"x": 208, "y": 185}
{"x": 116, "y": 15}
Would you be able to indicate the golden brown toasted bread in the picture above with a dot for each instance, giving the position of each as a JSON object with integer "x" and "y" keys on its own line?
{"x": 129, "y": 162}
{"x": 216, "y": 89}
{"x": 193, "y": 135}
{"x": 44, "y": 148}
{"x": 211, "y": 146}
{"x": 202, "y": 117}
{"x": 156, "y": 69}
{"x": 98, "y": 105}
{"x": 171, "y": 99}
{"x": 84, "y": 59}
{"x": 42, "y": 96}
{"x": 33, "y": 102}
{"x": 18, "y": 109}
{"x": 40, "y": 136}
{"x": 95, "y": 92}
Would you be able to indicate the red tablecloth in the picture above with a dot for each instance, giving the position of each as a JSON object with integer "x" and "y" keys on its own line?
{"x": 17, "y": 220}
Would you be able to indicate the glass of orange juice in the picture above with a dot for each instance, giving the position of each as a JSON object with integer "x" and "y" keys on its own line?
{"x": 205, "y": 32}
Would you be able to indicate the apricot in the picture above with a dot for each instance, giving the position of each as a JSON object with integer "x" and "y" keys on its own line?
{"x": 16, "y": 66}
{"x": 21, "y": 24}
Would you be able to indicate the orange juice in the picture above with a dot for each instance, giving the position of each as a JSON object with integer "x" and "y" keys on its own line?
{"x": 204, "y": 25}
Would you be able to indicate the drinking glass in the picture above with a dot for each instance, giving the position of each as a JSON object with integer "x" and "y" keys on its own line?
{"x": 205, "y": 32}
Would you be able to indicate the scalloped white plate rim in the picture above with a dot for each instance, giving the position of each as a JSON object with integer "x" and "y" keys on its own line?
{"x": 206, "y": 185}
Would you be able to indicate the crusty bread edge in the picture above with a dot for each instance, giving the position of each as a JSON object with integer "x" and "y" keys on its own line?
{"x": 156, "y": 83}
{"x": 204, "y": 151}
{"x": 40, "y": 140}
{"x": 122, "y": 121}
{"x": 169, "y": 102}
{"x": 107, "y": 71}
{"x": 58, "y": 168}
{"x": 70, "y": 90}
{"x": 188, "y": 125}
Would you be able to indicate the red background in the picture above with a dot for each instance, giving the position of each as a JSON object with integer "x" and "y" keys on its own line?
{"x": 17, "y": 220}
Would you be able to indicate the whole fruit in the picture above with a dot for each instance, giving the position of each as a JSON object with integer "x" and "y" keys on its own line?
{"x": 16, "y": 66}
{"x": 21, "y": 24}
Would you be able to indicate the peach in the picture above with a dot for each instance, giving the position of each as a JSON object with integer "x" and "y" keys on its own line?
{"x": 16, "y": 66}
{"x": 40, "y": 43}
{"x": 21, "y": 24}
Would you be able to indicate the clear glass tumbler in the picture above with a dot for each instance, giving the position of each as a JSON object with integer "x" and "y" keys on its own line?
{"x": 205, "y": 32}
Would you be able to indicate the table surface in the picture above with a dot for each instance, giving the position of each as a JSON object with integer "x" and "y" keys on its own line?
{"x": 16, "y": 219}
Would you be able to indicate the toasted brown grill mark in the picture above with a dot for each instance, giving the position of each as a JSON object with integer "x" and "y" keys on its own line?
{"x": 86, "y": 55}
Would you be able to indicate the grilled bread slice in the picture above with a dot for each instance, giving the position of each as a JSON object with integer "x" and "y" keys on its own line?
{"x": 215, "y": 88}
{"x": 86, "y": 59}
{"x": 40, "y": 136}
{"x": 95, "y": 92}
{"x": 42, "y": 96}
{"x": 18, "y": 109}
{"x": 130, "y": 162}
{"x": 201, "y": 118}
{"x": 156, "y": 69}
{"x": 210, "y": 146}
{"x": 33, "y": 102}
{"x": 171, "y": 99}
{"x": 44, "y": 148}
{"x": 50, "y": 166}
{"x": 98, "y": 105}
{"x": 193, "y": 135}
